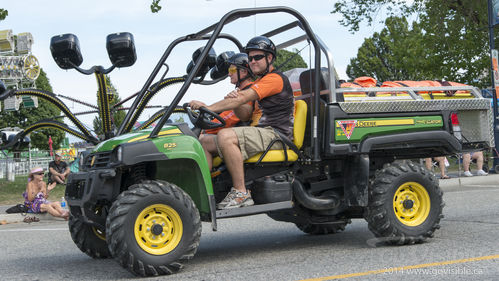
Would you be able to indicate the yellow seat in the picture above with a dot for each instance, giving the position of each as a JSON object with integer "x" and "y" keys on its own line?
{"x": 277, "y": 155}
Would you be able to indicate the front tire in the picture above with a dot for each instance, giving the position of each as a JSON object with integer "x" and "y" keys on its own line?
{"x": 89, "y": 239}
{"x": 153, "y": 228}
{"x": 405, "y": 204}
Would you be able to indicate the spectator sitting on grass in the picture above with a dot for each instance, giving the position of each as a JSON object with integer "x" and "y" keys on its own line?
{"x": 58, "y": 170}
{"x": 36, "y": 194}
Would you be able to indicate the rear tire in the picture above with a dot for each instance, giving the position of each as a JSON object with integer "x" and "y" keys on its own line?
{"x": 89, "y": 239}
{"x": 153, "y": 228}
{"x": 405, "y": 204}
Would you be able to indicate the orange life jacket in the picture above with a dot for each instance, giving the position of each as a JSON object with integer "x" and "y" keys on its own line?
{"x": 426, "y": 94}
{"x": 359, "y": 82}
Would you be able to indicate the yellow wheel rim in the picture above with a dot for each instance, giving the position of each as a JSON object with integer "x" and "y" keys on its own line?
{"x": 99, "y": 233}
{"x": 411, "y": 204}
{"x": 158, "y": 229}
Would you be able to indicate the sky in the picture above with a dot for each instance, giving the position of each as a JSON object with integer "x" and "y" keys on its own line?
{"x": 93, "y": 20}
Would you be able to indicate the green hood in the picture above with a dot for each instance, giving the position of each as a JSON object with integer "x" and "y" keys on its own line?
{"x": 142, "y": 135}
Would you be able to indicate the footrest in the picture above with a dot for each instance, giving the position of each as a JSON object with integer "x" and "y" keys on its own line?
{"x": 252, "y": 210}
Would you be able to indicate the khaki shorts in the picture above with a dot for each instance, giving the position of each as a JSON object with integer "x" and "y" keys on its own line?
{"x": 253, "y": 140}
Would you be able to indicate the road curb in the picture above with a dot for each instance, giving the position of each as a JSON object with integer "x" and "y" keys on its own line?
{"x": 475, "y": 180}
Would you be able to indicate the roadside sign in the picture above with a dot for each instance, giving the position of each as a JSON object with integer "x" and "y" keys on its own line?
{"x": 495, "y": 67}
{"x": 495, "y": 11}
{"x": 30, "y": 102}
{"x": 11, "y": 104}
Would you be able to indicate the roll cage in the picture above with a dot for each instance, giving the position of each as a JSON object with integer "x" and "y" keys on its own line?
{"x": 213, "y": 33}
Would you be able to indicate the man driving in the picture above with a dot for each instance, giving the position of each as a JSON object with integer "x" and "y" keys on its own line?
{"x": 273, "y": 92}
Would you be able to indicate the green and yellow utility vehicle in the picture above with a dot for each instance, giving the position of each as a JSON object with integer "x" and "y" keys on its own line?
{"x": 140, "y": 197}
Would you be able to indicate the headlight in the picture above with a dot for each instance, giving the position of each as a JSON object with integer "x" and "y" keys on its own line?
{"x": 119, "y": 154}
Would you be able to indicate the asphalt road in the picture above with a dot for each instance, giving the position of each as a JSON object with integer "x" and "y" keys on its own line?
{"x": 258, "y": 248}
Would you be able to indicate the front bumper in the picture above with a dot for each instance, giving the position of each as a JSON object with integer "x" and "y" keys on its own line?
{"x": 90, "y": 193}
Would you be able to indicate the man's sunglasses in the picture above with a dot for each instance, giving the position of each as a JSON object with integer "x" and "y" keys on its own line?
{"x": 255, "y": 57}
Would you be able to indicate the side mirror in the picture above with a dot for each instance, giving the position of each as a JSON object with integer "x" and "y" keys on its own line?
{"x": 202, "y": 71}
{"x": 211, "y": 58}
{"x": 121, "y": 49}
{"x": 209, "y": 62}
{"x": 65, "y": 50}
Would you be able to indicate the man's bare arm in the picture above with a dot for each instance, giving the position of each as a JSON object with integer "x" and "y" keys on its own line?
{"x": 244, "y": 112}
{"x": 53, "y": 171}
{"x": 244, "y": 97}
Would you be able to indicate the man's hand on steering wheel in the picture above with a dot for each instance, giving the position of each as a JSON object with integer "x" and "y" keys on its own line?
{"x": 195, "y": 104}
{"x": 203, "y": 119}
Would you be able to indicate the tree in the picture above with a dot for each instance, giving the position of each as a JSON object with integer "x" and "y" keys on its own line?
{"x": 356, "y": 11}
{"x": 27, "y": 116}
{"x": 3, "y": 14}
{"x": 117, "y": 117}
{"x": 287, "y": 60}
{"x": 457, "y": 34}
{"x": 155, "y": 7}
{"x": 396, "y": 53}
{"x": 454, "y": 35}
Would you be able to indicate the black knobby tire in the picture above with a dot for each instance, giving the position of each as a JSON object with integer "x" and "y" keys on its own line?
{"x": 321, "y": 229}
{"x": 409, "y": 185}
{"x": 88, "y": 238}
{"x": 125, "y": 219}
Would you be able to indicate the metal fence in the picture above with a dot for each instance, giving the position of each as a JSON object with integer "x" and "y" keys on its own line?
{"x": 21, "y": 166}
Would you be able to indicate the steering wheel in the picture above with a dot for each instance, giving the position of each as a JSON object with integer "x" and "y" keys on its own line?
{"x": 203, "y": 118}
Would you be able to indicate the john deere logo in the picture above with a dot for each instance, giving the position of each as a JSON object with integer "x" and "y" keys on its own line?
{"x": 93, "y": 161}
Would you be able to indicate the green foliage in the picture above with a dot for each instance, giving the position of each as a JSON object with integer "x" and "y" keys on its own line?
{"x": 457, "y": 34}
{"x": 3, "y": 14}
{"x": 155, "y": 7}
{"x": 448, "y": 42}
{"x": 27, "y": 116}
{"x": 117, "y": 117}
{"x": 287, "y": 60}
{"x": 355, "y": 12}
{"x": 395, "y": 53}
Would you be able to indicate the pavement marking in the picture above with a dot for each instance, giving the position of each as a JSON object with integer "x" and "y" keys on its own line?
{"x": 32, "y": 229}
{"x": 402, "y": 268}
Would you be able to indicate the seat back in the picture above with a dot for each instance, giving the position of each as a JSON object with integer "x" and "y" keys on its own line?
{"x": 307, "y": 79}
{"x": 300, "y": 122}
